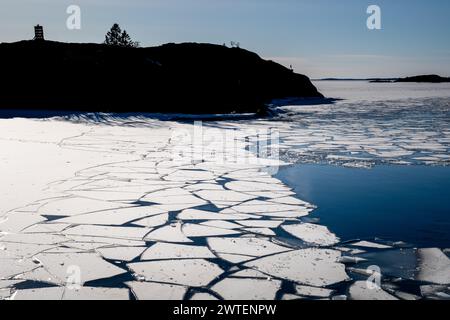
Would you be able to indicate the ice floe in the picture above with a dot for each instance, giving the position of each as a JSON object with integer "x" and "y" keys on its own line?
{"x": 313, "y": 267}
{"x": 360, "y": 290}
{"x": 247, "y": 289}
{"x": 156, "y": 291}
{"x": 312, "y": 233}
{"x": 434, "y": 266}
{"x": 253, "y": 247}
{"x": 167, "y": 251}
{"x": 188, "y": 272}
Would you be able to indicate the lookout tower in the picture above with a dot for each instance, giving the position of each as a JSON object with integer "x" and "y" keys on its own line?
{"x": 38, "y": 32}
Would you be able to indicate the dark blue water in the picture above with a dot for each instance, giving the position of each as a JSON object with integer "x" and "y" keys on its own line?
{"x": 398, "y": 203}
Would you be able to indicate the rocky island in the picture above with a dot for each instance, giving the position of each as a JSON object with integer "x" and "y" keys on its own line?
{"x": 187, "y": 78}
{"x": 432, "y": 78}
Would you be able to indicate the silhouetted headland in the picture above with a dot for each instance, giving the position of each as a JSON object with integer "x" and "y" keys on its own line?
{"x": 186, "y": 78}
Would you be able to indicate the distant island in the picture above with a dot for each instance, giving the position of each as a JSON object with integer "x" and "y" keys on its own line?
{"x": 432, "y": 78}
{"x": 186, "y": 78}
{"x": 425, "y": 78}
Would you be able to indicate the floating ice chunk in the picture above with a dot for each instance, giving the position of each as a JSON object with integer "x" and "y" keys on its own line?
{"x": 254, "y": 247}
{"x": 156, "y": 291}
{"x": 91, "y": 293}
{"x": 90, "y": 265}
{"x": 46, "y": 228}
{"x": 173, "y": 196}
{"x": 41, "y": 239}
{"x": 50, "y": 293}
{"x": 261, "y": 231}
{"x": 121, "y": 253}
{"x": 269, "y": 185}
{"x": 93, "y": 242}
{"x": 224, "y": 196}
{"x": 40, "y": 275}
{"x": 313, "y": 267}
{"x": 5, "y": 294}
{"x": 22, "y": 250}
{"x": 373, "y": 245}
{"x": 190, "y": 175}
{"x": 430, "y": 291}
{"x": 312, "y": 233}
{"x": 9, "y": 283}
{"x": 202, "y": 296}
{"x": 266, "y": 208}
{"x": 154, "y": 221}
{"x": 290, "y": 297}
{"x": 249, "y": 273}
{"x": 133, "y": 233}
{"x": 65, "y": 249}
{"x": 290, "y": 200}
{"x": 163, "y": 251}
{"x": 204, "y": 186}
{"x": 221, "y": 224}
{"x": 190, "y": 272}
{"x": 104, "y": 195}
{"x": 406, "y": 296}
{"x": 234, "y": 258}
{"x": 115, "y": 217}
{"x": 261, "y": 223}
{"x": 341, "y": 297}
{"x": 76, "y": 206}
{"x": 193, "y": 214}
{"x": 313, "y": 291}
{"x": 196, "y": 230}
{"x": 16, "y": 222}
{"x": 434, "y": 266}
{"x": 170, "y": 233}
{"x": 247, "y": 289}
{"x": 349, "y": 260}
{"x": 361, "y": 291}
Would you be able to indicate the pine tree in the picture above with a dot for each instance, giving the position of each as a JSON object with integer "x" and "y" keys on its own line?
{"x": 117, "y": 37}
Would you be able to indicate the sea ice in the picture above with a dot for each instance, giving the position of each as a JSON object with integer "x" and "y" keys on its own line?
{"x": 247, "y": 289}
{"x": 254, "y": 247}
{"x": 165, "y": 251}
{"x": 434, "y": 266}
{"x": 190, "y": 272}
{"x": 312, "y": 267}
{"x": 312, "y": 233}
{"x": 361, "y": 291}
{"x": 156, "y": 291}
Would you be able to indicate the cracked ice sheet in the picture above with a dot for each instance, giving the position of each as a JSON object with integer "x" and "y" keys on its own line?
{"x": 30, "y": 144}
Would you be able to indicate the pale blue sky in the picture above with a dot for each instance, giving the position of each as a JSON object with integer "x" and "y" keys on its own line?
{"x": 321, "y": 38}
